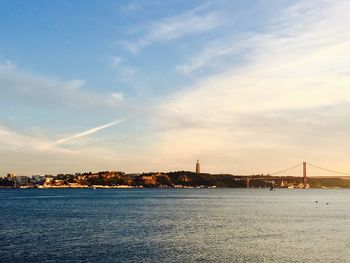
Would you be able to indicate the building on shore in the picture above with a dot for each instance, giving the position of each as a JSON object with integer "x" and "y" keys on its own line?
{"x": 198, "y": 167}
{"x": 17, "y": 179}
{"x": 11, "y": 176}
{"x": 22, "y": 180}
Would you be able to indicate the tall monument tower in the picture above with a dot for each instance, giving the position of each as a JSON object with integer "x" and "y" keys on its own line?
{"x": 198, "y": 167}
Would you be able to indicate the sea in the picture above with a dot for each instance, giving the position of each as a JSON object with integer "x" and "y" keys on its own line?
{"x": 174, "y": 225}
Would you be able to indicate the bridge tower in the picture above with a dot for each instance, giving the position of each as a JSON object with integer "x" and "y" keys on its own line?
{"x": 304, "y": 175}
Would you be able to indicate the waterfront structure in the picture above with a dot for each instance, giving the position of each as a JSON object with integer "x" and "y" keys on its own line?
{"x": 21, "y": 180}
{"x": 11, "y": 176}
{"x": 304, "y": 175}
{"x": 198, "y": 167}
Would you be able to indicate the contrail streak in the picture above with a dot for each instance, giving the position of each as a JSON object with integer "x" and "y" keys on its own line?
{"x": 87, "y": 132}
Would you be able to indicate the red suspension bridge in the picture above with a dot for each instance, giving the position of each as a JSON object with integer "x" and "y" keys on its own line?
{"x": 273, "y": 176}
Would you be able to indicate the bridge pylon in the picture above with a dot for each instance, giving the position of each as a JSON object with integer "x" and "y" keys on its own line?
{"x": 304, "y": 175}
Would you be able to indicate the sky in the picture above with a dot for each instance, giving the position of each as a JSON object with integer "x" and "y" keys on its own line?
{"x": 246, "y": 87}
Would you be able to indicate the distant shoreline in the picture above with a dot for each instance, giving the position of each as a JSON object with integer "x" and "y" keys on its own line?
{"x": 177, "y": 179}
{"x": 163, "y": 188}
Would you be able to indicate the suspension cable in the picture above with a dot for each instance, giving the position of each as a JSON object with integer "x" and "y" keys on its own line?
{"x": 285, "y": 170}
{"x": 328, "y": 170}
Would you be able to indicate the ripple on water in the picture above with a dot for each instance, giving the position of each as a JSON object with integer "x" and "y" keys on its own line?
{"x": 174, "y": 225}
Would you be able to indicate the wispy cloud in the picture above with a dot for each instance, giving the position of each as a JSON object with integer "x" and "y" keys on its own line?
{"x": 266, "y": 96}
{"x": 175, "y": 27}
{"x": 294, "y": 75}
{"x": 17, "y": 140}
{"x": 84, "y": 133}
{"x": 12, "y": 139}
{"x": 291, "y": 31}
{"x": 216, "y": 51}
{"x": 36, "y": 153}
{"x": 130, "y": 7}
{"x": 16, "y": 84}
{"x": 124, "y": 71}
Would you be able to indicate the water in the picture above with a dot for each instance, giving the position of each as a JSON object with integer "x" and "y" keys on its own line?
{"x": 174, "y": 225}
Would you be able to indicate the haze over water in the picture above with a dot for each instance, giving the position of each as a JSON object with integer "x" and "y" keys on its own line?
{"x": 174, "y": 225}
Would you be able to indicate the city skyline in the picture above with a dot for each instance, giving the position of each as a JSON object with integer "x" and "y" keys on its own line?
{"x": 155, "y": 85}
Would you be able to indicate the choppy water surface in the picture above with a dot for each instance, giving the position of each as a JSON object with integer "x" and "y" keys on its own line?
{"x": 174, "y": 225}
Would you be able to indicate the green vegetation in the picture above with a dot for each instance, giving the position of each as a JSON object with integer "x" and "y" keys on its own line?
{"x": 329, "y": 182}
{"x": 4, "y": 182}
{"x": 177, "y": 179}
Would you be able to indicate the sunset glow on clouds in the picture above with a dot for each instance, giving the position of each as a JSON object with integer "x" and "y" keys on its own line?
{"x": 245, "y": 88}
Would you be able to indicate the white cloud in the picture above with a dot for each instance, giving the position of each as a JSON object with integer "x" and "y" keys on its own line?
{"x": 288, "y": 102}
{"x": 83, "y": 134}
{"x": 12, "y": 139}
{"x": 124, "y": 71}
{"x": 130, "y": 7}
{"x": 296, "y": 69}
{"x": 192, "y": 22}
{"x": 7, "y": 65}
{"x": 36, "y": 153}
{"x": 215, "y": 51}
{"x": 40, "y": 90}
{"x": 302, "y": 28}
{"x": 16, "y": 140}
{"x": 116, "y": 61}
{"x": 118, "y": 95}
{"x": 58, "y": 107}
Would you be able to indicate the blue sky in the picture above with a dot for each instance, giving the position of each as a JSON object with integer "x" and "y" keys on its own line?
{"x": 154, "y": 85}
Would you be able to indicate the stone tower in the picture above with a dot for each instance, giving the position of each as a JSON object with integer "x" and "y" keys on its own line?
{"x": 198, "y": 167}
